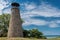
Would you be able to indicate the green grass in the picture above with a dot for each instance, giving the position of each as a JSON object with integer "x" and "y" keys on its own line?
{"x": 4, "y": 38}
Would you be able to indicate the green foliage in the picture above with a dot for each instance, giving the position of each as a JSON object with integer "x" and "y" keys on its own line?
{"x": 25, "y": 33}
{"x": 34, "y": 33}
{"x": 4, "y": 23}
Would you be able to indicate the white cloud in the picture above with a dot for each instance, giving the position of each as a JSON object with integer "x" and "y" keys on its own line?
{"x": 53, "y": 24}
{"x": 8, "y": 10}
{"x": 35, "y": 22}
{"x": 45, "y": 10}
{"x": 48, "y": 10}
{"x": 58, "y": 21}
{"x": 2, "y": 5}
{"x": 29, "y": 6}
{"x": 39, "y": 22}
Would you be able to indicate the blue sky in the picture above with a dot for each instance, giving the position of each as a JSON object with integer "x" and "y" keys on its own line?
{"x": 41, "y": 14}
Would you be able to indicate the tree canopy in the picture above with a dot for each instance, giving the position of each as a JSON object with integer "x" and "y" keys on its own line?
{"x": 34, "y": 33}
{"x": 4, "y": 23}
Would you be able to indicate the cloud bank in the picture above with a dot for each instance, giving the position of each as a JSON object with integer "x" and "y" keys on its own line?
{"x": 45, "y": 10}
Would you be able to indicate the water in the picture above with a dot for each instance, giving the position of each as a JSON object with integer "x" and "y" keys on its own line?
{"x": 52, "y": 36}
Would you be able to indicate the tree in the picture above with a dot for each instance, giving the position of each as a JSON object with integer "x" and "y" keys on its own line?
{"x": 25, "y": 33}
{"x": 34, "y": 33}
{"x": 4, "y": 23}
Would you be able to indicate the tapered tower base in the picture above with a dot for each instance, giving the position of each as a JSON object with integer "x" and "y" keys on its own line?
{"x": 15, "y": 25}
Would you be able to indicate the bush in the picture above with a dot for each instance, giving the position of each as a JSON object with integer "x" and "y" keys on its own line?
{"x": 34, "y": 33}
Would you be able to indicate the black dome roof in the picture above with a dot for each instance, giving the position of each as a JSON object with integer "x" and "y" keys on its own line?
{"x": 15, "y": 4}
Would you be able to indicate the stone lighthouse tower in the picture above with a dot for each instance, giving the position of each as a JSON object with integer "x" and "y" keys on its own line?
{"x": 15, "y": 25}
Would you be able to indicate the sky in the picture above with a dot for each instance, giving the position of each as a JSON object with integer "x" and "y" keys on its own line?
{"x": 43, "y": 15}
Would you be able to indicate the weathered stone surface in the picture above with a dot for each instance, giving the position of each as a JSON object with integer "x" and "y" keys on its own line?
{"x": 15, "y": 25}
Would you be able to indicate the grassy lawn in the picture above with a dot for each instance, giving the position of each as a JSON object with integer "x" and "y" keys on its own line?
{"x": 4, "y": 38}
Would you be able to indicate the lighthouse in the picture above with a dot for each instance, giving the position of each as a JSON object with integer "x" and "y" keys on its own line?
{"x": 15, "y": 24}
